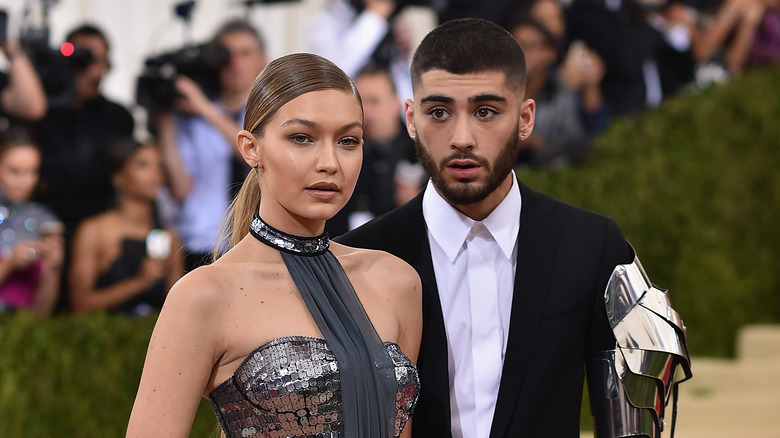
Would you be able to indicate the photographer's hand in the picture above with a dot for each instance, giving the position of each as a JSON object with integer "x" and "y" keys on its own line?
{"x": 383, "y": 8}
{"x": 192, "y": 101}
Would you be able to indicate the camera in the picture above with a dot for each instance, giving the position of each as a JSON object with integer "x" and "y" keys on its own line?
{"x": 55, "y": 68}
{"x": 155, "y": 88}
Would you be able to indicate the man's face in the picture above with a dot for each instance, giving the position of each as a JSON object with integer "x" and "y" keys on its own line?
{"x": 381, "y": 106}
{"x": 539, "y": 54}
{"x": 467, "y": 128}
{"x": 246, "y": 61}
{"x": 87, "y": 81}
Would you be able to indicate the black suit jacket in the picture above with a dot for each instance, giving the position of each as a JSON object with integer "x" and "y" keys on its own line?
{"x": 565, "y": 257}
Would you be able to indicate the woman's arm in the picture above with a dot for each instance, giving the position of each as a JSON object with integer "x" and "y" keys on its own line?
{"x": 51, "y": 250}
{"x": 85, "y": 269}
{"x": 182, "y": 352}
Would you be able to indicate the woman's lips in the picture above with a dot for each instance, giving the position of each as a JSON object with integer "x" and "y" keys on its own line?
{"x": 323, "y": 191}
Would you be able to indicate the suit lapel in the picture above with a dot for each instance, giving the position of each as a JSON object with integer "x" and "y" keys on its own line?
{"x": 537, "y": 240}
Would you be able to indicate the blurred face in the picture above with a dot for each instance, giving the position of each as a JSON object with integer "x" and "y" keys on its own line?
{"x": 309, "y": 158}
{"x": 550, "y": 14}
{"x": 467, "y": 128}
{"x": 87, "y": 81}
{"x": 381, "y": 106}
{"x": 142, "y": 175}
{"x": 246, "y": 61}
{"x": 19, "y": 172}
{"x": 539, "y": 55}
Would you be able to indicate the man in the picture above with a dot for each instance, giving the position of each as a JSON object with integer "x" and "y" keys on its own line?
{"x": 513, "y": 281}
{"x": 75, "y": 137}
{"x": 198, "y": 142}
{"x": 390, "y": 175}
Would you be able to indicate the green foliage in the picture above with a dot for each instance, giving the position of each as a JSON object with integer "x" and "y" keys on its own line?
{"x": 74, "y": 376}
{"x": 695, "y": 187}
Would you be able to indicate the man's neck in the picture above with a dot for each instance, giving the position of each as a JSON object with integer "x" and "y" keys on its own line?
{"x": 480, "y": 210}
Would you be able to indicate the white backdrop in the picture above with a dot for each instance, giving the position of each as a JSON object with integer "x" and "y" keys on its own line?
{"x": 137, "y": 29}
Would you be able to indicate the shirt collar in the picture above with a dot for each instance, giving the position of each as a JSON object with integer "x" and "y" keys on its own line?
{"x": 449, "y": 227}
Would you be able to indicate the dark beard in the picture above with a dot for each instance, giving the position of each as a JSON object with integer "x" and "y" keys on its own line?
{"x": 465, "y": 192}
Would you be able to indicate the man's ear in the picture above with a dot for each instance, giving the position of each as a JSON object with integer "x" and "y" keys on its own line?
{"x": 409, "y": 116}
{"x": 527, "y": 118}
{"x": 249, "y": 147}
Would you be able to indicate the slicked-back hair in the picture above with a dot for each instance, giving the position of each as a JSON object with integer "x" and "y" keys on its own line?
{"x": 470, "y": 45}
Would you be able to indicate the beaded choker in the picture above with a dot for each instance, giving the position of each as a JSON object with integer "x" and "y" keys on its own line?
{"x": 307, "y": 246}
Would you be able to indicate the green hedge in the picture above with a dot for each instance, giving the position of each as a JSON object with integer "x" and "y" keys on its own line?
{"x": 74, "y": 376}
{"x": 695, "y": 187}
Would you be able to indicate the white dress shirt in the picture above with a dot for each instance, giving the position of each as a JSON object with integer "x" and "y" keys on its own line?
{"x": 474, "y": 263}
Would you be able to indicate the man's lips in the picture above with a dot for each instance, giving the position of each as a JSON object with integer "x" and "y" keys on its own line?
{"x": 463, "y": 169}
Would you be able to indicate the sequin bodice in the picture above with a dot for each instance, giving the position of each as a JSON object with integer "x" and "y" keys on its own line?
{"x": 290, "y": 387}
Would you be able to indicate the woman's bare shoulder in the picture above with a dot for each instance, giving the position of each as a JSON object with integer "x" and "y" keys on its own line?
{"x": 382, "y": 267}
{"x": 201, "y": 289}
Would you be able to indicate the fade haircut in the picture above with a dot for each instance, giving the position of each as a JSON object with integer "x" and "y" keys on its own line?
{"x": 470, "y": 45}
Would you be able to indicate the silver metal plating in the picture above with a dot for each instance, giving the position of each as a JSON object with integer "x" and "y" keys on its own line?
{"x": 635, "y": 381}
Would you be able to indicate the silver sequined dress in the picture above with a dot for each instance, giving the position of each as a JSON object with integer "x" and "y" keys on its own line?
{"x": 290, "y": 387}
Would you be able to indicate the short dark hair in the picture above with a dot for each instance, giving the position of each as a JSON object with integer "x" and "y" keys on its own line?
{"x": 470, "y": 45}
{"x": 239, "y": 26}
{"x": 87, "y": 30}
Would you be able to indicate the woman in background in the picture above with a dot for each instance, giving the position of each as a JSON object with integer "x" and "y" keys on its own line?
{"x": 287, "y": 333}
{"x": 122, "y": 260}
{"x": 31, "y": 246}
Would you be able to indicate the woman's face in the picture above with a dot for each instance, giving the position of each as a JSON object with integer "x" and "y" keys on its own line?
{"x": 310, "y": 156}
{"x": 19, "y": 167}
{"x": 142, "y": 175}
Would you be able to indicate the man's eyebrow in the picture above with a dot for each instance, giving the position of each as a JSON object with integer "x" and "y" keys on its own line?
{"x": 487, "y": 98}
{"x": 437, "y": 98}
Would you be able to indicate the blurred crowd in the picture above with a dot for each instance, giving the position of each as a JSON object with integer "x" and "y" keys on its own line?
{"x": 93, "y": 218}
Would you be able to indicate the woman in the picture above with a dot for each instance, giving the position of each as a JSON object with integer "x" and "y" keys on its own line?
{"x": 31, "y": 247}
{"x": 122, "y": 260}
{"x": 289, "y": 334}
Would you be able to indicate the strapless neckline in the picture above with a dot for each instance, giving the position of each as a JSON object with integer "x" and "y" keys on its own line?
{"x": 291, "y": 386}
{"x": 280, "y": 340}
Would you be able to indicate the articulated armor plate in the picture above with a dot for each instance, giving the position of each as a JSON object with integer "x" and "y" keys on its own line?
{"x": 632, "y": 384}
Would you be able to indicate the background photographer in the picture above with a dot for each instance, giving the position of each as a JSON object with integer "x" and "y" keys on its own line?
{"x": 75, "y": 137}
{"x": 354, "y": 34}
{"x": 198, "y": 140}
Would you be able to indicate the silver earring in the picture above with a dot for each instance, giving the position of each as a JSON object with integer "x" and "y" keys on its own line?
{"x": 413, "y": 136}
{"x": 522, "y": 137}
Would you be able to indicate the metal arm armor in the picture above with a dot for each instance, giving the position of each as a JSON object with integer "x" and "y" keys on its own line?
{"x": 631, "y": 385}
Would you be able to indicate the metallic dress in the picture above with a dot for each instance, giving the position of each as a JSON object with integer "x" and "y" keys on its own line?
{"x": 290, "y": 387}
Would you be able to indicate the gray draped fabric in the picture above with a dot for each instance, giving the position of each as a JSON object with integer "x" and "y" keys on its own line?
{"x": 367, "y": 374}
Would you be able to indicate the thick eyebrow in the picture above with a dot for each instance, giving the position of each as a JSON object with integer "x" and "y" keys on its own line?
{"x": 437, "y": 98}
{"x": 311, "y": 124}
{"x": 487, "y": 98}
{"x": 474, "y": 99}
